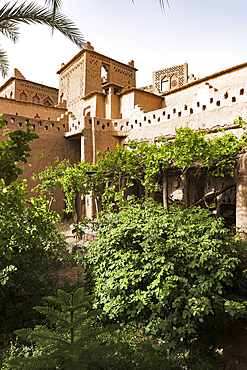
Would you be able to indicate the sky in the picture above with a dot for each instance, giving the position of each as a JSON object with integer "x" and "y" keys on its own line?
{"x": 210, "y": 35}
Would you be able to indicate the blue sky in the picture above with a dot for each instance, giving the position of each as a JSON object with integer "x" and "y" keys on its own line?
{"x": 211, "y": 35}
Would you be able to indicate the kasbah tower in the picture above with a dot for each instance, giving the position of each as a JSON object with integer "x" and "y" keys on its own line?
{"x": 98, "y": 106}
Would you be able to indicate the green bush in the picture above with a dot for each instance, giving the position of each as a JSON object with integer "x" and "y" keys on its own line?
{"x": 76, "y": 340}
{"x": 33, "y": 278}
{"x": 167, "y": 271}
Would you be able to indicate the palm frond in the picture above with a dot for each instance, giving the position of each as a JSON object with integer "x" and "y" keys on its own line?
{"x": 32, "y": 13}
{"x": 10, "y": 30}
{"x": 55, "y": 6}
{"x": 162, "y": 3}
{"x": 4, "y": 63}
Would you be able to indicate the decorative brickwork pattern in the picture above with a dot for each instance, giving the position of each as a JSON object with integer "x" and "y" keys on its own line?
{"x": 176, "y": 75}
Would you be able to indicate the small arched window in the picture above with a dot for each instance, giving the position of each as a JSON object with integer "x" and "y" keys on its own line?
{"x": 23, "y": 96}
{"x": 36, "y": 99}
{"x": 165, "y": 84}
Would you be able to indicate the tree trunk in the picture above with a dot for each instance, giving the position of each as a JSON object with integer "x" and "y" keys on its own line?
{"x": 74, "y": 212}
{"x": 165, "y": 191}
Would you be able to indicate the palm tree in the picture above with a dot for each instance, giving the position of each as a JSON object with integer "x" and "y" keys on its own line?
{"x": 12, "y": 15}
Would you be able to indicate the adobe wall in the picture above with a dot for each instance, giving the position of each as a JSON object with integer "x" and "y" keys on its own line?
{"x": 175, "y": 76}
{"x": 51, "y": 144}
{"x": 21, "y": 89}
{"x": 72, "y": 82}
{"x": 117, "y": 73}
{"x": 31, "y": 110}
{"x": 98, "y": 135}
{"x": 216, "y": 101}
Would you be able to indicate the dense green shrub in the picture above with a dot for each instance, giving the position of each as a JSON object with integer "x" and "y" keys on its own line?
{"x": 33, "y": 278}
{"x": 76, "y": 340}
{"x": 167, "y": 271}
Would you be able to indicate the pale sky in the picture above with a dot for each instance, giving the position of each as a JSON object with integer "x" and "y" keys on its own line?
{"x": 211, "y": 35}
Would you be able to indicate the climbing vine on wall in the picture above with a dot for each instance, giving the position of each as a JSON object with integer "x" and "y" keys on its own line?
{"x": 191, "y": 151}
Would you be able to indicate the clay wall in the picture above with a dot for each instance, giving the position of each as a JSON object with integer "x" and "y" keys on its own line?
{"x": 216, "y": 101}
{"x": 31, "y": 110}
{"x": 9, "y": 91}
{"x": 50, "y": 144}
{"x": 117, "y": 73}
{"x": 175, "y": 76}
{"x": 21, "y": 89}
{"x": 72, "y": 83}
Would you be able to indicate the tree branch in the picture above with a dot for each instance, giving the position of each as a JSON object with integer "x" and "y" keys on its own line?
{"x": 213, "y": 195}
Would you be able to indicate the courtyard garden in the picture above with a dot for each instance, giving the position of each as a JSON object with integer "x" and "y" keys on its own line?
{"x": 153, "y": 289}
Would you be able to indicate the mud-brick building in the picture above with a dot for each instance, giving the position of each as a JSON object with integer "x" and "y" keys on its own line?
{"x": 98, "y": 106}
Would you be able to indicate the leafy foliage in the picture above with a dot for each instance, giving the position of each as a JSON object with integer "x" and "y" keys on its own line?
{"x": 30, "y": 248}
{"x": 167, "y": 271}
{"x": 13, "y": 150}
{"x": 147, "y": 163}
{"x": 74, "y": 343}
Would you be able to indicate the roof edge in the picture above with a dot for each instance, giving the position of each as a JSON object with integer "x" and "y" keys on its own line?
{"x": 93, "y": 52}
{"x": 200, "y": 80}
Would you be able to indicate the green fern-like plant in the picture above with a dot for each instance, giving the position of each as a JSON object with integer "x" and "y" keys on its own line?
{"x": 74, "y": 343}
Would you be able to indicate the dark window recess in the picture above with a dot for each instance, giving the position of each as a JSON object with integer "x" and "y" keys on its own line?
{"x": 33, "y": 127}
{"x": 218, "y": 103}
{"x": 179, "y": 114}
{"x": 58, "y": 128}
{"x": 20, "y": 124}
{"x": 145, "y": 118}
{"x": 204, "y": 107}
{"x": 136, "y": 121}
{"x": 185, "y": 107}
{"x": 226, "y": 95}
{"x": 164, "y": 113}
{"x": 108, "y": 124}
{"x": 168, "y": 116}
{"x": 149, "y": 121}
{"x": 52, "y": 125}
{"x": 191, "y": 111}
{"x": 46, "y": 128}
{"x": 198, "y": 104}
{"x": 132, "y": 126}
{"x": 174, "y": 110}
{"x": 90, "y": 122}
{"x": 154, "y": 116}
{"x": 63, "y": 126}
{"x": 140, "y": 124}
{"x": 40, "y": 123}
{"x": 241, "y": 92}
{"x": 103, "y": 127}
{"x": 211, "y": 100}
{"x": 233, "y": 99}
{"x": 158, "y": 119}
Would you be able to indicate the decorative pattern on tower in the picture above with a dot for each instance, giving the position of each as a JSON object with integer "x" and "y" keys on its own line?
{"x": 170, "y": 78}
